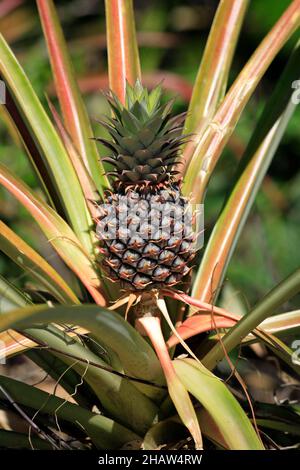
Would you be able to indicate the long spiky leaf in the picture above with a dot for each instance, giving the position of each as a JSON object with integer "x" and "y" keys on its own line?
{"x": 211, "y": 144}
{"x": 211, "y": 81}
{"x": 122, "y": 49}
{"x": 71, "y": 102}
{"x": 29, "y": 260}
{"x": 53, "y": 152}
{"x": 59, "y": 234}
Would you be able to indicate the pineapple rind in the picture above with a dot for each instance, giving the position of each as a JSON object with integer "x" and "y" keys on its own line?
{"x": 144, "y": 146}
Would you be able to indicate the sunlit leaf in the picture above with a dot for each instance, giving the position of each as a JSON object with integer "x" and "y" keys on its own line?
{"x": 276, "y": 297}
{"x": 115, "y": 392}
{"x": 212, "y": 142}
{"x": 104, "y": 432}
{"x": 254, "y": 165}
{"x": 122, "y": 49}
{"x": 71, "y": 102}
{"x": 57, "y": 231}
{"x": 211, "y": 81}
{"x": 55, "y": 157}
{"x": 282, "y": 324}
{"x": 11, "y": 297}
{"x": 177, "y": 390}
{"x": 233, "y": 423}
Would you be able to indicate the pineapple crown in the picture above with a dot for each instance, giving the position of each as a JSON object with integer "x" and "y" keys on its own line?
{"x": 145, "y": 139}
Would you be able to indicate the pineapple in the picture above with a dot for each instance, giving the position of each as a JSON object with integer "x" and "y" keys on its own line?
{"x": 145, "y": 228}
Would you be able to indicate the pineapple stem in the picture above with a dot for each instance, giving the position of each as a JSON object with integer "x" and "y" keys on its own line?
{"x": 178, "y": 393}
{"x": 146, "y": 307}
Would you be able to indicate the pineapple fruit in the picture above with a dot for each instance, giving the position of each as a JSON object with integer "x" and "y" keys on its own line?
{"x": 145, "y": 227}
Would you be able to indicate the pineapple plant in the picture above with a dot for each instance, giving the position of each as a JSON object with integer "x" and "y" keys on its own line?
{"x": 152, "y": 241}
{"x": 128, "y": 382}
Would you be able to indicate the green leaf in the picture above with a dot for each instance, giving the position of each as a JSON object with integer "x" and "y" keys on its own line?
{"x": 53, "y": 152}
{"x": 177, "y": 391}
{"x": 11, "y": 297}
{"x": 104, "y": 432}
{"x": 29, "y": 260}
{"x": 87, "y": 183}
{"x": 108, "y": 328}
{"x": 162, "y": 433}
{"x": 276, "y": 297}
{"x": 171, "y": 431}
{"x": 250, "y": 174}
{"x": 211, "y": 144}
{"x": 116, "y": 393}
{"x": 280, "y": 426}
{"x": 64, "y": 375}
{"x": 17, "y": 127}
{"x": 233, "y": 423}
{"x": 211, "y": 81}
{"x": 285, "y": 323}
{"x": 18, "y": 440}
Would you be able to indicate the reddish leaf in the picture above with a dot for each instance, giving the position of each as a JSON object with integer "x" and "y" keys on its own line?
{"x": 122, "y": 49}
{"x": 199, "y": 324}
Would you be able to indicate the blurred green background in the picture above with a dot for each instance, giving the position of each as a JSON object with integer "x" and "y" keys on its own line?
{"x": 172, "y": 37}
